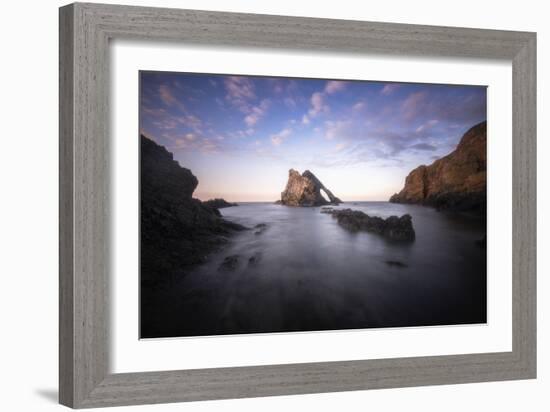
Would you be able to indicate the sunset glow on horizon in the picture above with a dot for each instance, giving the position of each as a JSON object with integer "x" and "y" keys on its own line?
{"x": 241, "y": 134}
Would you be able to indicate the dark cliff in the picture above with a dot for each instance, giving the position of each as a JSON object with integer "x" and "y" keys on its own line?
{"x": 457, "y": 181}
{"x": 177, "y": 231}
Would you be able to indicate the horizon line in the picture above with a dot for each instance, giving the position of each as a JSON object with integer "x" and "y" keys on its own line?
{"x": 274, "y": 201}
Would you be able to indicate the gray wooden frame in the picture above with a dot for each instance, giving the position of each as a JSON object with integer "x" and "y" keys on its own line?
{"x": 85, "y": 31}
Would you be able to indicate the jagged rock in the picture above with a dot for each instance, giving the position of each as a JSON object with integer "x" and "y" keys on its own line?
{"x": 177, "y": 231}
{"x": 393, "y": 228}
{"x": 457, "y": 181}
{"x": 219, "y": 203}
{"x": 305, "y": 190}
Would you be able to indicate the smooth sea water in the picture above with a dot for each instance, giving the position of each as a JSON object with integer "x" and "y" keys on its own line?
{"x": 311, "y": 274}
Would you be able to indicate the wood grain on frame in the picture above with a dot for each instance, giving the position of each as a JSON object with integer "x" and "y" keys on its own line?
{"x": 85, "y": 31}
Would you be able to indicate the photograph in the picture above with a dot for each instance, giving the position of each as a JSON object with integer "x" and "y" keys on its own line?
{"x": 275, "y": 205}
{"x": 285, "y": 205}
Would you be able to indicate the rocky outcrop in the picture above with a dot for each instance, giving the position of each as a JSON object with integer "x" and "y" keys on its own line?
{"x": 457, "y": 181}
{"x": 393, "y": 228}
{"x": 219, "y": 203}
{"x": 260, "y": 228}
{"x": 305, "y": 190}
{"x": 177, "y": 231}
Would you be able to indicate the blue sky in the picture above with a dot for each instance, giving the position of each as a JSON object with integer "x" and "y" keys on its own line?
{"x": 241, "y": 134}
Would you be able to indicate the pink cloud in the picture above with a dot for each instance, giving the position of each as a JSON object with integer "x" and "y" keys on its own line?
{"x": 153, "y": 112}
{"x": 317, "y": 104}
{"x": 256, "y": 113}
{"x": 389, "y": 88}
{"x": 166, "y": 95}
{"x": 334, "y": 86}
{"x": 426, "y": 126}
{"x": 239, "y": 92}
{"x": 318, "y": 99}
{"x": 359, "y": 106}
{"x": 166, "y": 124}
{"x": 413, "y": 105}
{"x": 191, "y": 121}
{"x": 191, "y": 141}
{"x": 280, "y": 137}
{"x": 168, "y": 98}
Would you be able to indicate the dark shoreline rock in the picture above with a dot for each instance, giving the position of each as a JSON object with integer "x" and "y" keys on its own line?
{"x": 396, "y": 263}
{"x": 178, "y": 232}
{"x": 219, "y": 203}
{"x": 456, "y": 182}
{"x": 393, "y": 228}
{"x": 305, "y": 190}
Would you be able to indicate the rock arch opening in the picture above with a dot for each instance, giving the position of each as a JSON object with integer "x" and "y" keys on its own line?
{"x": 325, "y": 195}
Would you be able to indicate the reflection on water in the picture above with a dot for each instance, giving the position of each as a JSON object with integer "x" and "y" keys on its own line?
{"x": 308, "y": 273}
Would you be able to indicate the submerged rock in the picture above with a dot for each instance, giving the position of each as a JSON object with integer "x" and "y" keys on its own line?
{"x": 230, "y": 263}
{"x": 255, "y": 258}
{"x": 457, "y": 181}
{"x": 393, "y": 228}
{"x": 396, "y": 263}
{"x": 260, "y": 228}
{"x": 305, "y": 190}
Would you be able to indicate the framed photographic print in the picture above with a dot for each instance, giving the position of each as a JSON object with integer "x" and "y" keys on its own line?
{"x": 260, "y": 205}
{"x": 237, "y": 261}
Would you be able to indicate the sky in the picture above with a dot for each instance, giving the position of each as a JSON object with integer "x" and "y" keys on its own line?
{"x": 241, "y": 134}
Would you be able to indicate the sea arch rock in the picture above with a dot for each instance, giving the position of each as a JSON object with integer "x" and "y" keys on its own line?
{"x": 305, "y": 190}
